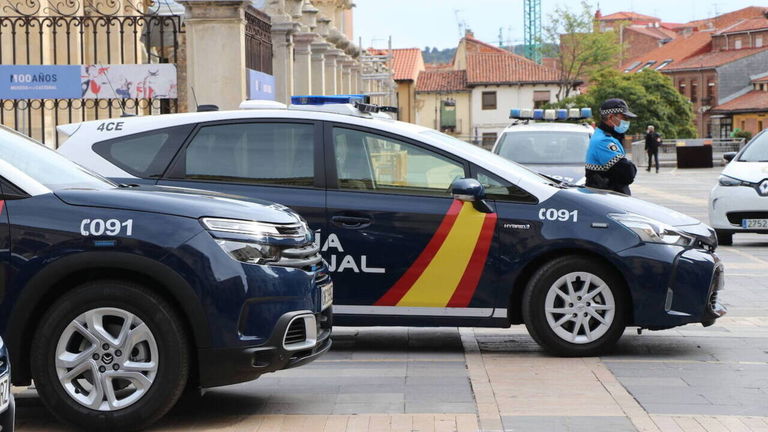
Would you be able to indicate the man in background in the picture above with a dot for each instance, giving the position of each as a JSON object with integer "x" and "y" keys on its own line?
{"x": 652, "y": 143}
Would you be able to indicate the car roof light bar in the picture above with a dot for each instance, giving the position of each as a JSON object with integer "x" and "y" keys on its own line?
{"x": 550, "y": 114}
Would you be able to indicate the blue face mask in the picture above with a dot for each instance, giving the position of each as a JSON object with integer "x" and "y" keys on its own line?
{"x": 622, "y": 127}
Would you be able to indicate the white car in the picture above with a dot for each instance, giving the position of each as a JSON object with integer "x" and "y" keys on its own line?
{"x": 739, "y": 201}
{"x": 557, "y": 150}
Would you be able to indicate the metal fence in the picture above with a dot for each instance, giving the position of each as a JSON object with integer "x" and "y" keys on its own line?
{"x": 68, "y": 32}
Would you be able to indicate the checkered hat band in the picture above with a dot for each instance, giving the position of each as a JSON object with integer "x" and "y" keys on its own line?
{"x": 612, "y": 111}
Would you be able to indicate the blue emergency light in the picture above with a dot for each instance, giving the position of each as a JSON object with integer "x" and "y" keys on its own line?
{"x": 550, "y": 114}
{"x": 325, "y": 100}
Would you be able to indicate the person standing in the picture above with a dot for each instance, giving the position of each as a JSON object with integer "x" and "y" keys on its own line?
{"x": 652, "y": 143}
{"x": 607, "y": 166}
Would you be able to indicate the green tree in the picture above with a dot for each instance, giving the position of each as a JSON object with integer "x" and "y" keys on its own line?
{"x": 649, "y": 94}
{"x": 581, "y": 52}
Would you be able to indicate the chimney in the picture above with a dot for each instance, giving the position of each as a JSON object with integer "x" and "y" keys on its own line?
{"x": 468, "y": 33}
{"x": 598, "y": 14}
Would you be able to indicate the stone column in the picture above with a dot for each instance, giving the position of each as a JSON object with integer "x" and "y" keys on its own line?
{"x": 331, "y": 67}
{"x": 346, "y": 75}
{"x": 282, "y": 59}
{"x": 211, "y": 25}
{"x": 302, "y": 73}
{"x": 355, "y": 86}
{"x": 318, "y": 67}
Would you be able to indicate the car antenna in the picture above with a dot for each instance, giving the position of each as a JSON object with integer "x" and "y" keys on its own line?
{"x": 194, "y": 96}
{"x": 122, "y": 102}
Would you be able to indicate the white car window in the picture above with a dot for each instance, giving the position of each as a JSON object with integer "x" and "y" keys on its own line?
{"x": 757, "y": 151}
{"x": 550, "y": 147}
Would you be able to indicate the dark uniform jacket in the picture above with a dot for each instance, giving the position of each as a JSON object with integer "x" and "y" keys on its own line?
{"x": 607, "y": 166}
{"x": 652, "y": 142}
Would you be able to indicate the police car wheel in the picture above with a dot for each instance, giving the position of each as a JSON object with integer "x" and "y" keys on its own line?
{"x": 574, "y": 306}
{"x": 724, "y": 238}
{"x": 110, "y": 355}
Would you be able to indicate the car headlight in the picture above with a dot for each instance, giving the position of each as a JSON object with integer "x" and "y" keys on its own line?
{"x": 652, "y": 231}
{"x": 725, "y": 180}
{"x": 235, "y": 226}
{"x": 250, "y": 253}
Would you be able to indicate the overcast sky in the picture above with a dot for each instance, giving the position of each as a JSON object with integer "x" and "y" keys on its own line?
{"x": 420, "y": 23}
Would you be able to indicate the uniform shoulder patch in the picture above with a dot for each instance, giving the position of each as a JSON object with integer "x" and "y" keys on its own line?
{"x": 613, "y": 147}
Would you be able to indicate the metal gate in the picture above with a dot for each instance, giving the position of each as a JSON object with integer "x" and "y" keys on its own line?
{"x": 68, "y": 32}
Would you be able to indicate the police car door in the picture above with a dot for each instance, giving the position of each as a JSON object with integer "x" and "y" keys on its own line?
{"x": 397, "y": 242}
{"x": 274, "y": 160}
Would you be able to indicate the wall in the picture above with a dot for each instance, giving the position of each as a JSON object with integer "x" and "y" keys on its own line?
{"x": 426, "y": 103}
{"x": 638, "y": 44}
{"x": 750, "y": 121}
{"x": 507, "y": 97}
{"x": 702, "y": 78}
{"x": 748, "y": 40}
{"x": 406, "y": 95}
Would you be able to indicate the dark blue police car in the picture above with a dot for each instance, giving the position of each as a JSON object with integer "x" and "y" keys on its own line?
{"x": 422, "y": 229}
{"x": 115, "y": 297}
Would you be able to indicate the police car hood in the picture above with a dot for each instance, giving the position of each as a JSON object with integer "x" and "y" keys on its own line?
{"x": 191, "y": 203}
{"x": 611, "y": 202}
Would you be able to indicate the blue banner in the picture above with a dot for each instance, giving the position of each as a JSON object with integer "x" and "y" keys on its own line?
{"x": 261, "y": 86}
{"x": 40, "y": 82}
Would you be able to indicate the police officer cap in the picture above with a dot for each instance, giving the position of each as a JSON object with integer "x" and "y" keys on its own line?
{"x": 616, "y": 106}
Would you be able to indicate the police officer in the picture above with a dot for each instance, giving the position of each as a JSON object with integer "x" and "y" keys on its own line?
{"x": 607, "y": 166}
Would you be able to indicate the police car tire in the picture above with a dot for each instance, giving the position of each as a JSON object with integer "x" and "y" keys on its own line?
{"x": 165, "y": 326}
{"x": 534, "y": 314}
{"x": 724, "y": 237}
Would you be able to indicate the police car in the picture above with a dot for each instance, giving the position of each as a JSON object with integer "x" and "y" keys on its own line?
{"x": 544, "y": 142}
{"x": 421, "y": 229}
{"x": 117, "y": 297}
{"x": 739, "y": 201}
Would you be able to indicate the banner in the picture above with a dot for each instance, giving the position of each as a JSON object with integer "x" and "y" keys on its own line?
{"x": 131, "y": 81}
{"x": 261, "y": 86}
{"x": 39, "y": 82}
{"x": 146, "y": 81}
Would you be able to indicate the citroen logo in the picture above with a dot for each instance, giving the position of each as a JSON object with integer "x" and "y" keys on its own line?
{"x": 763, "y": 188}
{"x": 107, "y": 358}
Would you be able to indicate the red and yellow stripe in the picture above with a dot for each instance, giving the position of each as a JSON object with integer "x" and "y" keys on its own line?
{"x": 447, "y": 271}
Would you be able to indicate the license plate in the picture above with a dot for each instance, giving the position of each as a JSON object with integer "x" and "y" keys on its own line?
{"x": 5, "y": 392}
{"x": 327, "y": 294}
{"x": 754, "y": 223}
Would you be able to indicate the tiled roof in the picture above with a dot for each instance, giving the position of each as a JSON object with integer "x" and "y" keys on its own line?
{"x": 504, "y": 68}
{"x": 755, "y": 100}
{"x": 676, "y": 50}
{"x": 476, "y": 45}
{"x": 746, "y": 25}
{"x": 433, "y": 81}
{"x": 627, "y": 16}
{"x": 761, "y": 79}
{"x": 714, "y": 59}
{"x": 654, "y": 32}
{"x": 406, "y": 63}
{"x": 727, "y": 19}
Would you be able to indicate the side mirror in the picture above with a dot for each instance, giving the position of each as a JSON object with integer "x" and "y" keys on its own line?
{"x": 729, "y": 156}
{"x": 470, "y": 190}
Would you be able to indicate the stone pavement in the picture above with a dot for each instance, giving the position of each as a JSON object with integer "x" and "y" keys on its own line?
{"x": 689, "y": 379}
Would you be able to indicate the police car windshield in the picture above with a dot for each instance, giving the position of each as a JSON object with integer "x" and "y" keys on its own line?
{"x": 518, "y": 169}
{"x": 550, "y": 147}
{"x": 757, "y": 151}
{"x": 45, "y": 166}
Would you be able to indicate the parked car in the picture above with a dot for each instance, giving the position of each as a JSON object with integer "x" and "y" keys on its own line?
{"x": 7, "y": 404}
{"x": 553, "y": 148}
{"x": 421, "y": 229}
{"x": 739, "y": 201}
{"x": 117, "y": 297}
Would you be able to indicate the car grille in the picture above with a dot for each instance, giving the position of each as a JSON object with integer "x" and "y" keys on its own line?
{"x": 736, "y": 217}
{"x": 297, "y": 333}
{"x": 306, "y": 257}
